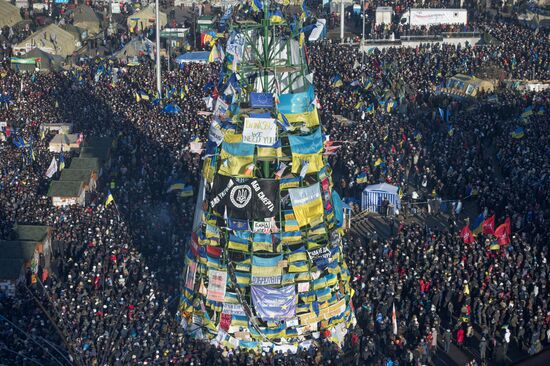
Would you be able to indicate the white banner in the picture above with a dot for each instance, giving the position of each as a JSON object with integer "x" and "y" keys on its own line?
{"x": 52, "y": 169}
{"x": 233, "y": 309}
{"x": 302, "y": 196}
{"x": 215, "y": 133}
{"x": 260, "y": 131}
{"x": 261, "y": 227}
{"x": 216, "y": 285}
{"x": 221, "y": 108}
{"x": 190, "y": 278}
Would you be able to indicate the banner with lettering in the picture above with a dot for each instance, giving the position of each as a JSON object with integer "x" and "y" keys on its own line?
{"x": 245, "y": 199}
{"x": 260, "y": 131}
{"x": 216, "y": 285}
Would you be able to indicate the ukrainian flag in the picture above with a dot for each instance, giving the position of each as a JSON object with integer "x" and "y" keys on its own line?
{"x": 257, "y": 5}
{"x": 336, "y": 81}
{"x": 307, "y": 297}
{"x": 187, "y": 192}
{"x": 298, "y": 267}
{"x": 323, "y": 294}
{"x": 262, "y": 242}
{"x": 177, "y": 186}
{"x": 319, "y": 283}
{"x": 237, "y": 243}
{"x": 288, "y": 279}
{"x": 310, "y": 119}
{"x": 317, "y": 230}
{"x": 239, "y": 320}
{"x": 287, "y": 183}
{"x": 298, "y": 255}
{"x": 291, "y": 225}
{"x": 477, "y": 225}
{"x": 527, "y": 112}
{"x": 275, "y": 151}
{"x": 277, "y": 17}
{"x": 361, "y": 178}
{"x": 243, "y": 279}
{"x": 291, "y": 237}
{"x": 331, "y": 280}
{"x": 378, "y": 162}
{"x": 109, "y": 199}
{"x": 236, "y": 157}
{"x": 143, "y": 95}
{"x": 518, "y": 133}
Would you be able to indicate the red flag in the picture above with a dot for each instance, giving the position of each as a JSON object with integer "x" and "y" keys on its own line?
{"x": 488, "y": 226}
{"x": 502, "y": 234}
{"x": 466, "y": 235}
{"x": 214, "y": 252}
{"x": 225, "y": 321}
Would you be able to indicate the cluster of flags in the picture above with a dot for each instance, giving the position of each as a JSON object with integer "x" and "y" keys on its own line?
{"x": 486, "y": 226}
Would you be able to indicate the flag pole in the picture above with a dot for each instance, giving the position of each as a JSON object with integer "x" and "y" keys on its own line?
{"x": 157, "y": 31}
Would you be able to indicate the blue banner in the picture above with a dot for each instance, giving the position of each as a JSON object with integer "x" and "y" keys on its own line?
{"x": 309, "y": 144}
{"x": 295, "y": 102}
{"x": 274, "y": 303}
{"x": 238, "y": 148}
{"x": 261, "y": 100}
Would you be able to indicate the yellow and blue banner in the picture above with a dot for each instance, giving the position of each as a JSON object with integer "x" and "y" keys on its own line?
{"x": 306, "y": 203}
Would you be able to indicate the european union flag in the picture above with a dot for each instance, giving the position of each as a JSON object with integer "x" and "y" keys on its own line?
{"x": 261, "y": 100}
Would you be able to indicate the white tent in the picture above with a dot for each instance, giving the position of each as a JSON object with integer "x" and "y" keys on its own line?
{"x": 374, "y": 195}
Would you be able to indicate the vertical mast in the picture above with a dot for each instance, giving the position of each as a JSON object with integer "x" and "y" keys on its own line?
{"x": 157, "y": 31}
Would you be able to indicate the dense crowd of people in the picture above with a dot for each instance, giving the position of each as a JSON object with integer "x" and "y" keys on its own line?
{"x": 113, "y": 288}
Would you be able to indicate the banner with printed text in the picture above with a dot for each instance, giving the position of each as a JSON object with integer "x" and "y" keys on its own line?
{"x": 216, "y": 285}
{"x": 260, "y": 131}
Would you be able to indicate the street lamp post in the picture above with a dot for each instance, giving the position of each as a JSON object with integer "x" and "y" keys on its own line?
{"x": 342, "y": 21}
{"x": 363, "y": 33}
{"x": 157, "y": 24}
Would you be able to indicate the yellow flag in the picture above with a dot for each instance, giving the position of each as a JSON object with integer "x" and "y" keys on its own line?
{"x": 311, "y": 119}
{"x": 315, "y": 162}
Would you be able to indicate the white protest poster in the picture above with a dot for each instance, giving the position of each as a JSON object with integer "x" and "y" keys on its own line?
{"x": 216, "y": 285}
{"x": 215, "y": 133}
{"x": 190, "y": 278}
{"x": 260, "y": 131}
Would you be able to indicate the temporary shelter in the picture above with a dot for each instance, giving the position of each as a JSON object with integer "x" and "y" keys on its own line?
{"x": 64, "y": 142}
{"x": 64, "y": 193}
{"x": 37, "y": 58}
{"x": 9, "y": 15}
{"x": 136, "y": 48}
{"x": 467, "y": 86}
{"x": 85, "y": 17}
{"x": 145, "y": 18}
{"x": 51, "y": 39}
{"x": 374, "y": 195}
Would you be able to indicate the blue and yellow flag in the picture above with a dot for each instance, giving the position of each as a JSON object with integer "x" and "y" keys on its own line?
{"x": 477, "y": 225}
{"x": 518, "y": 133}
{"x": 307, "y": 204}
{"x": 109, "y": 199}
